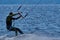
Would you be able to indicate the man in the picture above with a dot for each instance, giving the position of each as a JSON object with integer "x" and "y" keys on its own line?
{"x": 9, "y": 22}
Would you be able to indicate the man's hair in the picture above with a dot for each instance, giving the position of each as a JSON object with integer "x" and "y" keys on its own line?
{"x": 10, "y": 13}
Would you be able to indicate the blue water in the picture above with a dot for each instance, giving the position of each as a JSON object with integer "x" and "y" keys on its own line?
{"x": 29, "y": 1}
{"x": 41, "y": 20}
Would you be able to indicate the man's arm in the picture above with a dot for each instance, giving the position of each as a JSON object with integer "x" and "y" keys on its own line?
{"x": 15, "y": 14}
{"x": 16, "y": 18}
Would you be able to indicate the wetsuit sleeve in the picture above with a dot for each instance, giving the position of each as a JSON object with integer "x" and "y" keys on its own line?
{"x": 16, "y": 18}
{"x": 14, "y": 14}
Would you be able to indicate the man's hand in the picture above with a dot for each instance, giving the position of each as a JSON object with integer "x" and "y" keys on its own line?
{"x": 20, "y": 14}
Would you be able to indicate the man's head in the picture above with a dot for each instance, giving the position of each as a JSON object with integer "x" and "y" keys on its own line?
{"x": 11, "y": 13}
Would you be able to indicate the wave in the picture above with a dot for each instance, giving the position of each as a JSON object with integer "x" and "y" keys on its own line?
{"x": 28, "y": 37}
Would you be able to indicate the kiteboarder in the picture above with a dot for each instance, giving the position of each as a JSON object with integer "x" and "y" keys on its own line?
{"x": 9, "y": 20}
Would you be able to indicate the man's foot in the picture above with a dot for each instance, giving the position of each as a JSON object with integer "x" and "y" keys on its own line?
{"x": 22, "y": 33}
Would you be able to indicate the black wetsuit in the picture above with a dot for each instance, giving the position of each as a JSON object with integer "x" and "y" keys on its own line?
{"x": 9, "y": 24}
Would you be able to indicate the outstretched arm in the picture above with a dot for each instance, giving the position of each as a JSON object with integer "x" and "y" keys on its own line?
{"x": 16, "y": 18}
{"x": 14, "y": 14}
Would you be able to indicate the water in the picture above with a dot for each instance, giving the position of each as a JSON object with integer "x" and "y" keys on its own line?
{"x": 43, "y": 20}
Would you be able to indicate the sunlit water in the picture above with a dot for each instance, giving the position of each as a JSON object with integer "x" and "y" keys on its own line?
{"x": 43, "y": 20}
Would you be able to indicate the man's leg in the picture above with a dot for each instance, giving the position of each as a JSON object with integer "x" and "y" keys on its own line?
{"x": 16, "y": 30}
{"x": 19, "y": 30}
{"x": 16, "y": 33}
